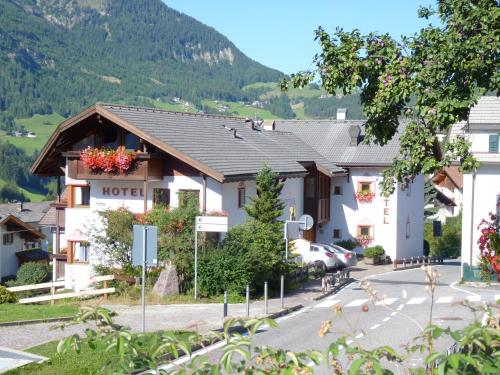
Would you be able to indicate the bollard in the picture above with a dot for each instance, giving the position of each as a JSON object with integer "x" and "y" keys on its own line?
{"x": 411, "y": 261}
{"x": 265, "y": 297}
{"x": 248, "y": 300}
{"x": 225, "y": 304}
{"x": 404, "y": 262}
{"x": 395, "y": 264}
{"x": 282, "y": 291}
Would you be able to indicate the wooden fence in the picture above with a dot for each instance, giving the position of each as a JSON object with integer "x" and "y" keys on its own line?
{"x": 57, "y": 284}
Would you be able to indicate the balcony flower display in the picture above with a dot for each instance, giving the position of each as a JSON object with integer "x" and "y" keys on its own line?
{"x": 364, "y": 240}
{"x": 489, "y": 247}
{"x": 107, "y": 160}
{"x": 218, "y": 213}
{"x": 364, "y": 196}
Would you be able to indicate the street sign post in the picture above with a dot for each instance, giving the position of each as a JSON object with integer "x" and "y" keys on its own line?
{"x": 144, "y": 251}
{"x": 205, "y": 224}
{"x": 305, "y": 222}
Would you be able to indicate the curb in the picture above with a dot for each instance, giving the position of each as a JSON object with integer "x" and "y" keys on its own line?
{"x": 334, "y": 290}
{"x": 36, "y": 321}
{"x": 286, "y": 311}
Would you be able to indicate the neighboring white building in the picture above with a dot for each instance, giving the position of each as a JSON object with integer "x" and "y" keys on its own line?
{"x": 481, "y": 190}
{"x": 394, "y": 222}
{"x": 449, "y": 193}
{"x": 217, "y": 158}
{"x": 15, "y": 236}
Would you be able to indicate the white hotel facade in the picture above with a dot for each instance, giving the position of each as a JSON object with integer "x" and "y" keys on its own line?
{"x": 217, "y": 158}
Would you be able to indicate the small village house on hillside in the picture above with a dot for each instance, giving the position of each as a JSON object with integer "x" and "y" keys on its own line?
{"x": 481, "y": 190}
{"x": 358, "y": 209}
{"x": 216, "y": 158}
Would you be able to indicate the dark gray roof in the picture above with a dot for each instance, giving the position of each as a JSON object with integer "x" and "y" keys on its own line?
{"x": 210, "y": 140}
{"x": 331, "y": 139}
{"x": 32, "y": 212}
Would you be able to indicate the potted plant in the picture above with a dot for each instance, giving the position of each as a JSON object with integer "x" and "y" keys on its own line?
{"x": 364, "y": 196}
{"x": 372, "y": 254}
{"x": 489, "y": 247}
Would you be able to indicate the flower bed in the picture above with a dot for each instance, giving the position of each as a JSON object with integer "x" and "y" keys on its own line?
{"x": 107, "y": 160}
{"x": 364, "y": 196}
{"x": 489, "y": 247}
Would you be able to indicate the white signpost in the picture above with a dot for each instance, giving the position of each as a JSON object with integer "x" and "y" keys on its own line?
{"x": 205, "y": 224}
{"x": 305, "y": 222}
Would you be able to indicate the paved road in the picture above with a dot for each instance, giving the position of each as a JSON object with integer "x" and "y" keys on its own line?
{"x": 397, "y": 320}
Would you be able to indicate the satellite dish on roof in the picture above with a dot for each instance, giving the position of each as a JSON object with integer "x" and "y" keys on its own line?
{"x": 307, "y": 222}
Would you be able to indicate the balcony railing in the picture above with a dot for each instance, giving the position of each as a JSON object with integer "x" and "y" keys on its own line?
{"x": 146, "y": 167}
{"x": 323, "y": 210}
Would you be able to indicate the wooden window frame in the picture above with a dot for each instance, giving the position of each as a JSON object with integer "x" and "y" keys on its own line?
{"x": 370, "y": 230}
{"x": 72, "y": 196}
{"x": 181, "y": 191}
{"x": 370, "y": 183}
{"x": 10, "y": 236}
{"x": 339, "y": 191}
{"x": 155, "y": 190}
{"x": 337, "y": 234}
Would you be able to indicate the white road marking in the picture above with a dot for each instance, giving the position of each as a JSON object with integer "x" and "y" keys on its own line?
{"x": 360, "y": 335}
{"x": 497, "y": 297}
{"x": 375, "y": 326}
{"x": 475, "y": 298}
{"x": 453, "y": 286}
{"x": 393, "y": 313}
{"x": 349, "y": 342}
{"x": 387, "y": 301}
{"x": 356, "y": 302}
{"x": 446, "y": 299}
{"x": 187, "y": 358}
{"x": 386, "y": 319}
{"x": 416, "y": 300}
{"x": 400, "y": 307}
{"x": 327, "y": 303}
{"x": 405, "y": 295}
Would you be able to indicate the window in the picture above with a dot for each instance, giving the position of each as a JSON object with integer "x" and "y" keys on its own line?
{"x": 84, "y": 143}
{"x": 110, "y": 136}
{"x": 365, "y": 187}
{"x": 337, "y": 190}
{"x": 81, "y": 196}
{"x": 131, "y": 141}
{"x": 161, "y": 196}
{"x": 365, "y": 231}
{"x": 82, "y": 250}
{"x": 310, "y": 187}
{"x": 8, "y": 239}
{"x": 241, "y": 197}
{"x": 493, "y": 143}
{"x": 337, "y": 233}
{"x": 189, "y": 195}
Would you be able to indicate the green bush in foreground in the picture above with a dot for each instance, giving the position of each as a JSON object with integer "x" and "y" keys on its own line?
{"x": 348, "y": 244}
{"x": 32, "y": 273}
{"x": 6, "y": 296}
{"x": 373, "y": 251}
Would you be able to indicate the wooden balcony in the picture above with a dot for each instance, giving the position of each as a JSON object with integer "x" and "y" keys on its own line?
{"x": 323, "y": 210}
{"x": 146, "y": 167}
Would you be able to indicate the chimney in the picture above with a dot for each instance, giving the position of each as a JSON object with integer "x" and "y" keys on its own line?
{"x": 354, "y": 133}
{"x": 341, "y": 114}
{"x": 20, "y": 206}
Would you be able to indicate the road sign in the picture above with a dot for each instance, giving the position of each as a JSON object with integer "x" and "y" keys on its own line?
{"x": 151, "y": 245}
{"x": 211, "y": 224}
{"x": 306, "y": 222}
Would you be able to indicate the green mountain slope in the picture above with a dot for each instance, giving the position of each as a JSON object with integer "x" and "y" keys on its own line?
{"x": 62, "y": 55}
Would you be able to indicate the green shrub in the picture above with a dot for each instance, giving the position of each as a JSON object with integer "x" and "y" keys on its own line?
{"x": 220, "y": 270}
{"x": 450, "y": 243}
{"x": 347, "y": 244}
{"x": 33, "y": 273}
{"x": 373, "y": 251}
{"x": 6, "y": 296}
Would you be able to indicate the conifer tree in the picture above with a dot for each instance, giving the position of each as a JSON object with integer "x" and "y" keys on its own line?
{"x": 267, "y": 207}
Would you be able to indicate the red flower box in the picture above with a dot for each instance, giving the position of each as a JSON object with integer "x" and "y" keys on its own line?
{"x": 107, "y": 160}
{"x": 364, "y": 196}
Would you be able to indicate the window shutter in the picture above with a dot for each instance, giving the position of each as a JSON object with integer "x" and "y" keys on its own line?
{"x": 493, "y": 143}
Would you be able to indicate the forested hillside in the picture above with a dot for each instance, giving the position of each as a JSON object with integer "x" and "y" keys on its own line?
{"x": 62, "y": 55}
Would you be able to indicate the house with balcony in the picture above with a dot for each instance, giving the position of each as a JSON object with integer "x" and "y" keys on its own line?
{"x": 215, "y": 158}
{"x": 351, "y": 205}
{"x": 481, "y": 188}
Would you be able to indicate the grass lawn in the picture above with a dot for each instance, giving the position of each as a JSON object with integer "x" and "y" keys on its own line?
{"x": 241, "y": 110}
{"x": 14, "y": 312}
{"x": 87, "y": 362}
{"x": 42, "y": 125}
{"x": 275, "y": 90}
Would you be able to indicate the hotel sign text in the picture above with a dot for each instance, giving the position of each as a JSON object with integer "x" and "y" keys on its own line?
{"x": 115, "y": 191}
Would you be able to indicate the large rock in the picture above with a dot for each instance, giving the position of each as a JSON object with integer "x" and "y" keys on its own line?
{"x": 168, "y": 283}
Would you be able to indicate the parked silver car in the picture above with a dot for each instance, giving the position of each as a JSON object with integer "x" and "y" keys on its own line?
{"x": 347, "y": 257}
{"x": 318, "y": 254}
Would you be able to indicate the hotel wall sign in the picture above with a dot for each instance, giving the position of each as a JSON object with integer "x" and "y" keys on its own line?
{"x": 125, "y": 191}
{"x": 386, "y": 211}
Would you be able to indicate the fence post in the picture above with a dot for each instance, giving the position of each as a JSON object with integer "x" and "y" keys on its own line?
{"x": 225, "y": 304}
{"x": 248, "y": 300}
{"x": 52, "y": 293}
{"x": 282, "y": 291}
{"x": 105, "y": 285}
{"x": 265, "y": 297}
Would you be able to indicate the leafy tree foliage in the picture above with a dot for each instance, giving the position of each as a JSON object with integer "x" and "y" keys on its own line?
{"x": 432, "y": 79}
{"x": 61, "y": 56}
{"x": 280, "y": 106}
{"x": 267, "y": 207}
{"x": 450, "y": 243}
{"x": 10, "y": 193}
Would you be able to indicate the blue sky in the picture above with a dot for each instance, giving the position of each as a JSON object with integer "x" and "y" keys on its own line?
{"x": 279, "y": 33}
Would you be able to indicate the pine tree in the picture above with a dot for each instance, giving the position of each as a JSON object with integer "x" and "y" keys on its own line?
{"x": 267, "y": 207}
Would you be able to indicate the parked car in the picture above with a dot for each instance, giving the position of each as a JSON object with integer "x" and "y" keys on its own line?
{"x": 315, "y": 253}
{"x": 347, "y": 257}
